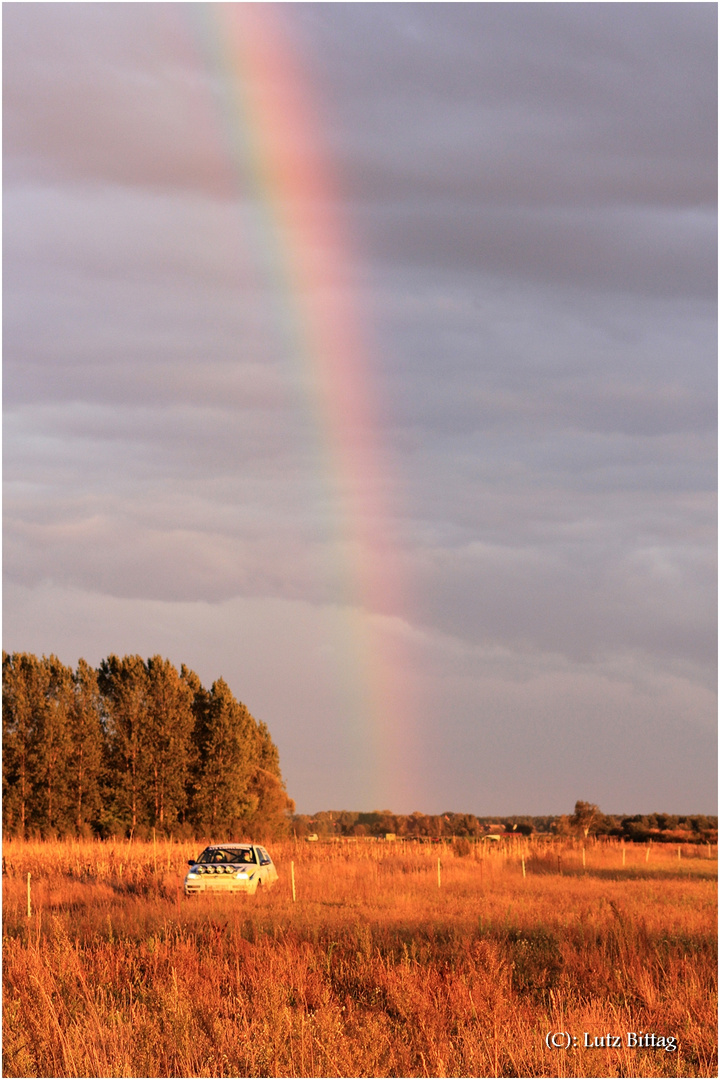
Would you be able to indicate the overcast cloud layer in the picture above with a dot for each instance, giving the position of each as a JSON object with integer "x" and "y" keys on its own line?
{"x": 531, "y": 196}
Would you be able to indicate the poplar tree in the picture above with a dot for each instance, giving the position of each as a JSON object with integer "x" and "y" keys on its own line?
{"x": 133, "y": 744}
{"x": 269, "y": 803}
{"x": 124, "y": 693}
{"x": 225, "y": 737}
{"x": 52, "y": 744}
{"x": 267, "y": 752}
{"x": 168, "y": 732}
{"x": 199, "y": 705}
{"x": 85, "y": 760}
{"x": 269, "y": 806}
{"x": 23, "y": 697}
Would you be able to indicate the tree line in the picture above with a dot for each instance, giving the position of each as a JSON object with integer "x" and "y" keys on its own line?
{"x": 131, "y": 746}
{"x": 587, "y": 820}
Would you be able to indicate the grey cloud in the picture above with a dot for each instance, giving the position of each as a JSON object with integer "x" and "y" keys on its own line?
{"x": 107, "y": 95}
{"x": 589, "y": 404}
{"x": 617, "y": 251}
{"x": 529, "y": 192}
{"x": 471, "y": 357}
{"x": 548, "y": 108}
{"x": 569, "y": 89}
{"x": 496, "y": 151}
{"x": 580, "y": 601}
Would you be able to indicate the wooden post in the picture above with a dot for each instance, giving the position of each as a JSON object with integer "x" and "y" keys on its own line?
{"x": 583, "y": 856}
{"x": 154, "y": 851}
{"x": 522, "y": 859}
{"x": 647, "y": 853}
{"x": 29, "y": 909}
{"x": 438, "y": 873}
{"x": 292, "y": 878}
{"x": 623, "y": 852}
{"x": 678, "y": 852}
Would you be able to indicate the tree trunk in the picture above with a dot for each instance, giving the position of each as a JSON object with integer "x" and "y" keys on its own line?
{"x": 78, "y": 820}
{"x": 133, "y": 800}
{"x": 22, "y": 799}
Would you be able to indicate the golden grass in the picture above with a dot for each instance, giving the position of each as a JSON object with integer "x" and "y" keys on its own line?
{"x": 374, "y": 971}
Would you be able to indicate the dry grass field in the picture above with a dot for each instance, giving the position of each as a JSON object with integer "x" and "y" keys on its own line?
{"x": 375, "y": 970}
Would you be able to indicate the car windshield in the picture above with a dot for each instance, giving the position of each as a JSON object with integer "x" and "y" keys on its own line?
{"x": 227, "y": 855}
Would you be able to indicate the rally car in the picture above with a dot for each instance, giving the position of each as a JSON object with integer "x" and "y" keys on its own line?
{"x": 230, "y": 868}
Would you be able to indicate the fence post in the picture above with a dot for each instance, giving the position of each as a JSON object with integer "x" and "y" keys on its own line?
{"x": 522, "y": 860}
{"x": 292, "y": 878}
{"x": 29, "y": 909}
{"x": 438, "y": 873}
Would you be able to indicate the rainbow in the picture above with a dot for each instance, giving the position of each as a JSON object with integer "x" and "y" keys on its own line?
{"x": 304, "y": 254}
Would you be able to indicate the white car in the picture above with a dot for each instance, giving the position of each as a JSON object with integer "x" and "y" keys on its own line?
{"x": 230, "y": 868}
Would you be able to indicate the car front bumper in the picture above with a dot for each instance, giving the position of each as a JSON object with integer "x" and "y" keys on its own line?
{"x": 204, "y": 883}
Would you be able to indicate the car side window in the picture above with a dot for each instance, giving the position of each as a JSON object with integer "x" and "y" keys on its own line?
{"x": 264, "y": 857}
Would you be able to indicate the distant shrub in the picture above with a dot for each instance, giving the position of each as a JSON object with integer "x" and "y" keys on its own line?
{"x": 462, "y": 846}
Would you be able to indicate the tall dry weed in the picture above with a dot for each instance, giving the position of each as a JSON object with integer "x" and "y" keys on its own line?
{"x": 374, "y": 971}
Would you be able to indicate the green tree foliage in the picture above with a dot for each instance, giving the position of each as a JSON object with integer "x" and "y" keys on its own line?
{"x": 124, "y": 694}
{"x": 586, "y": 817}
{"x": 268, "y": 757}
{"x": 237, "y": 772}
{"x": 334, "y": 823}
{"x": 465, "y": 825}
{"x": 198, "y": 706}
{"x": 85, "y": 760}
{"x": 52, "y": 746}
{"x": 270, "y": 806}
{"x": 23, "y": 698}
{"x": 225, "y": 760}
{"x": 168, "y": 731}
{"x": 133, "y": 746}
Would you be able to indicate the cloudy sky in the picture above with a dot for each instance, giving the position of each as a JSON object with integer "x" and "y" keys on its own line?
{"x": 364, "y": 355}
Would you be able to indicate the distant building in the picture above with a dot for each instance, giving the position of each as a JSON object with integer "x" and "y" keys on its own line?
{"x": 494, "y": 832}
